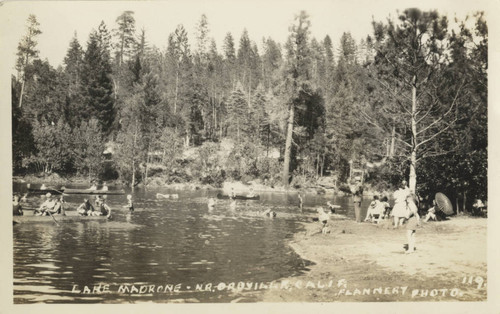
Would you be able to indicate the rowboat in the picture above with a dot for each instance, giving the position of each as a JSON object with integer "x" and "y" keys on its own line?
{"x": 238, "y": 197}
{"x": 71, "y": 216}
{"x": 167, "y": 196}
{"x": 94, "y": 192}
{"x": 43, "y": 191}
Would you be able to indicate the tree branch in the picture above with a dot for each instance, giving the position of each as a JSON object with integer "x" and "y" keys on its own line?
{"x": 445, "y": 114}
{"x": 434, "y": 135}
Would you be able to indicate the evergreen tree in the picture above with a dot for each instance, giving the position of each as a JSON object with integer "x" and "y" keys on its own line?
{"x": 271, "y": 63}
{"x": 89, "y": 148}
{"x": 178, "y": 59}
{"x": 73, "y": 62}
{"x": 27, "y": 52}
{"x": 125, "y": 36}
{"x": 44, "y": 97}
{"x": 202, "y": 40}
{"x": 296, "y": 79}
{"x": 237, "y": 109}
{"x": 97, "y": 83}
{"x": 54, "y": 149}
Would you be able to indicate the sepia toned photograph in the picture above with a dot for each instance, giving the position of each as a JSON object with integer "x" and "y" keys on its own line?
{"x": 247, "y": 152}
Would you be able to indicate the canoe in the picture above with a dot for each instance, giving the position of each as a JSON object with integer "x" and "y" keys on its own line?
{"x": 71, "y": 216}
{"x": 167, "y": 196}
{"x": 95, "y": 192}
{"x": 50, "y": 190}
{"x": 238, "y": 197}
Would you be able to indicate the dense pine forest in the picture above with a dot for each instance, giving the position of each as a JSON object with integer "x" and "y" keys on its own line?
{"x": 407, "y": 101}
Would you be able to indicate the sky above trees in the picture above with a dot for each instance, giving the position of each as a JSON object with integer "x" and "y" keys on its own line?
{"x": 60, "y": 20}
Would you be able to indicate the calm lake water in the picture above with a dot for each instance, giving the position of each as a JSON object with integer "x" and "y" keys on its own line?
{"x": 164, "y": 244}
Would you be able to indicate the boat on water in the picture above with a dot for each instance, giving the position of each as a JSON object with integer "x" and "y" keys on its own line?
{"x": 167, "y": 196}
{"x": 43, "y": 191}
{"x": 238, "y": 197}
{"x": 71, "y": 216}
{"x": 75, "y": 191}
{"x": 94, "y": 192}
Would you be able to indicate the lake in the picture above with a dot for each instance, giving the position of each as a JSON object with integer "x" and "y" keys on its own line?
{"x": 166, "y": 251}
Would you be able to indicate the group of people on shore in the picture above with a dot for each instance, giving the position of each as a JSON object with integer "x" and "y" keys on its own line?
{"x": 404, "y": 210}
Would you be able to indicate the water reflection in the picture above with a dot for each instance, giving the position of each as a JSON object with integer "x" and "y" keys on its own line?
{"x": 163, "y": 242}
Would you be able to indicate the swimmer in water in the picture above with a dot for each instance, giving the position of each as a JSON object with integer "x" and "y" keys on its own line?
{"x": 270, "y": 213}
{"x": 211, "y": 203}
{"x": 130, "y": 204}
{"x": 232, "y": 205}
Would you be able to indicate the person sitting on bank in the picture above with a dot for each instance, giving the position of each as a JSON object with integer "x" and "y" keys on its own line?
{"x": 43, "y": 187}
{"x": 17, "y": 208}
{"x": 104, "y": 186}
{"x": 431, "y": 212}
{"x": 323, "y": 218}
{"x": 130, "y": 204}
{"x": 332, "y": 207}
{"x": 251, "y": 193}
{"x": 93, "y": 187}
{"x": 375, "y": 210}
{"x": 478, "y": 206}
{"x": 85, "y": 209}
{"x": 48, "y": 205}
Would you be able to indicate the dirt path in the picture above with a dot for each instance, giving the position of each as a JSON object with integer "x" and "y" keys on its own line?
{"x": 366, "y": 262}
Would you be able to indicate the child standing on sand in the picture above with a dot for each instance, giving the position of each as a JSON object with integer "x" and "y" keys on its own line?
{"x": 301, "y": 201}
{"x": 387, "y": 207}
{"x": 413, "y": 223}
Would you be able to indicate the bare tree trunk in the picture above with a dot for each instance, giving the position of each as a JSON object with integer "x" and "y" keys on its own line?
{"x": 24, "y": 80}
{"x": 176, "y": 90}
{"x": 288, "y": 145}
{"x": 186, "y": 142}
{"x": 322, "y": 165}
{"x": 133, "y": 175}
{"x": 115, "y": 87}
{"x": 317, "y": 166}
{"x": 413, "y": 156}
{"x": 146, "y": 168}
{"x": 22, "y": 93}
{"x": 393, "y": 140}
{"x": 465, "y": 201}
{"x": 133, "y": 154}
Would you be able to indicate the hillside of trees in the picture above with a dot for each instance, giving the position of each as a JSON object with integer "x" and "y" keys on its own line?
{"x": 407, "y": 101}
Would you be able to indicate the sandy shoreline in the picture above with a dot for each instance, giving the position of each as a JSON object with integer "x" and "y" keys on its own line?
{"x": 366, "y": 262}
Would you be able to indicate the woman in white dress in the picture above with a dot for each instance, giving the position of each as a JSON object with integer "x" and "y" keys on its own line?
{"x": 400, "y": 209}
